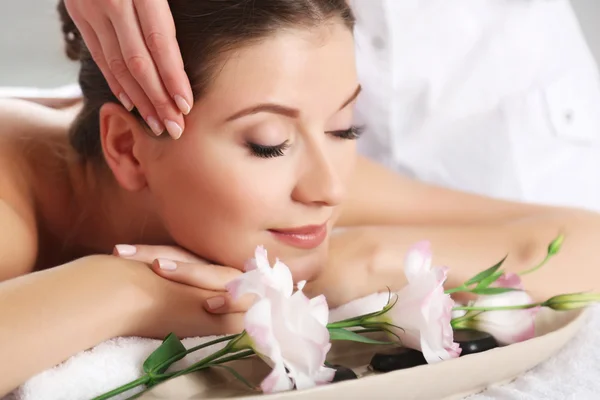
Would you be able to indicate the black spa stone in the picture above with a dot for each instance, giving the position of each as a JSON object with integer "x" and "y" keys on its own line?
{"x": 343, "y": 374}
{"x": 472, "y": 341}
{"x": 400, "y": 358}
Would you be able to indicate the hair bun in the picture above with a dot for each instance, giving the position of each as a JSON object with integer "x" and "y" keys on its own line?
{"x": 72, "y": 37}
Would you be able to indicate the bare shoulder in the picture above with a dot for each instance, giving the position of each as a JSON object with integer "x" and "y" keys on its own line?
{"x": 20, "y": 121}
{"x": 20, "y": 116}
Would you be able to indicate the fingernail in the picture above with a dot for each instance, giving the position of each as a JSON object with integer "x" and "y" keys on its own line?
{"x": 125, "y": 250}
{"x": 215, "y": 302}
{"x": 155, "y": 126}
{"x": 166, "y": 265}
{"x": 173, "y": 128}
{"x": 182, "y": 104}
{"x": 126, "y": 101}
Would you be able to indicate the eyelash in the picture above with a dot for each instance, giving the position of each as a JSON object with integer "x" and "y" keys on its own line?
{"x": 261, "y": 151}
{"x": 350, "y": 134}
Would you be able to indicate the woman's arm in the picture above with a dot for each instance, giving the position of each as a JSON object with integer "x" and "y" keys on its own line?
{"x": 48, "y": 316}
{"x": 368, "y": 259}
{"x": 378, "y": 196}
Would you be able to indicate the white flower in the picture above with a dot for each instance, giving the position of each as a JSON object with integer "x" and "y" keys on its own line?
{"x": 287, "y": 329}
{"x": 260, "y": 277}
{"x": 506, "y": 326}
{"x": 421, "y": 314}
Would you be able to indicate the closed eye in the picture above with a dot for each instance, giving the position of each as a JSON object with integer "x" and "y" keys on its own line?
{"x": 262, "y": 151}
{"x": 353, "y": 133}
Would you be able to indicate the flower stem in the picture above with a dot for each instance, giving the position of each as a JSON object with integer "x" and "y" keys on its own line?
{"x": 145, "y": 379}
{"x": 503, "y": 308}
{"x": 216, "y": 341}
{"x": 368, "y": 330}
{"x": 345, "y": 324}
{"x": 195, "y": 367}
{"x": 204, "y": 362}
{"x": 131, "y": 385}
{"x": 201, "y": 346}
{"x": 461, "y": 288}
{"x": 540, "y": 265}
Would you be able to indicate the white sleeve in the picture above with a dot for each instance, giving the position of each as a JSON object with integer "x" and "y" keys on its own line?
{"x": 494, "y": 97}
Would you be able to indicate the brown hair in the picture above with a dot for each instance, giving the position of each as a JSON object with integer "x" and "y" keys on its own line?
{"x": 206, "y": 29}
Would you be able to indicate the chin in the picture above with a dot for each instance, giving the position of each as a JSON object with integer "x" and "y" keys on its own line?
{"x": 307, "y": 267}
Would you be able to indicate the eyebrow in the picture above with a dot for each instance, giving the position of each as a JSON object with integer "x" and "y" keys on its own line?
{"x": 283, "y": 110}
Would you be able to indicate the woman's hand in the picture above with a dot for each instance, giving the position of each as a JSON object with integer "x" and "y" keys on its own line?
{"x": 133, "y": 43}
{"x": 178, "y": 265}
{"x": 358, "y": 265}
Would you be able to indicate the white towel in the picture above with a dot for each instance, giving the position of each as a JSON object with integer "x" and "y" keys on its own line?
{"x": 571, "y": 374}
{"x": 72, "y": 91}
{"x": 103, "y": 368}
{"x": 112, "y": 364}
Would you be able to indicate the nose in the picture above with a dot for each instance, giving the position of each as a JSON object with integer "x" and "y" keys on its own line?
{"x": 320, "y": 183}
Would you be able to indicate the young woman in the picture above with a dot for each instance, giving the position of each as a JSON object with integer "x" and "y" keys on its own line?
{"x": 268, "y": 158}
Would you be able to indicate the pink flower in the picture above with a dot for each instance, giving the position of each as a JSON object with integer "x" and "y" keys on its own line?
{"x": 509, "y": 280}
{"x": 260, "y": 277}
{"x": 421, "y": 314}
{"x": 507, "y": 326}
{"x": 288, "y": 330}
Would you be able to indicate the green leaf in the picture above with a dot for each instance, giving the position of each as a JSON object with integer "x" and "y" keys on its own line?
{"x": 484, "y": 283}
{"x": 343, "y": 334}
{"x": 484, "y": 274}
{"x": 358, "y": 320}
{"x": 493, "y": 290}
{"x": 168, "y": 352}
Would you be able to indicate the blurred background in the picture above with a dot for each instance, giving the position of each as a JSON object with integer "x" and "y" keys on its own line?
{"x": 31, "y": 46}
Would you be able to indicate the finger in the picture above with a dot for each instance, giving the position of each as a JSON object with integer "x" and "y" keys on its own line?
{"x": 158, "y": 28}
{"x": 205, "y": 276}
{"x": 224, "y": 304}
{"x": 95, "y": 49}
{"x": 118, "y": 67}
{"x": 147, "y": 254}
{"x": 141, "y": 67}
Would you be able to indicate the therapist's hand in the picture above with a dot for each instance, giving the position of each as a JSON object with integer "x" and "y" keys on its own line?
{"x": 133, "y": 42}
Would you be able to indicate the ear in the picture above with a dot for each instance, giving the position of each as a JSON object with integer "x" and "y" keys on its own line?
{"x": 120, "y": 134}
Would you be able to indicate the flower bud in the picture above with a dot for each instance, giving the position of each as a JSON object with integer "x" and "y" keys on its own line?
{"x": 555, "y": 245}
{"x": 571, "y": 301}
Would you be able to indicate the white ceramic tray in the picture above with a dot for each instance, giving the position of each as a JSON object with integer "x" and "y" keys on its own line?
{"x": 447, "y": 380}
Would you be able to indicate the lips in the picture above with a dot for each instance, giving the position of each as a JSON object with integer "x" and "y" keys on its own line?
{"x": 305, "y": 237}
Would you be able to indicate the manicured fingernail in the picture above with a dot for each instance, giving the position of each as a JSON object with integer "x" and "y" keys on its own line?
{"x": 125, "y": 250}
{"x": 182, "y": 104}
{"x": 155, "y": 126}
{"x": 215, "y": 302}
{"x": 173, "y": 128}
{"x": 126, "y": 101}
{"x": 166, "y": 265}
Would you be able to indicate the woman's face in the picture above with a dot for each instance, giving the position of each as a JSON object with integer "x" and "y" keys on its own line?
{"x": 266, "y": 155}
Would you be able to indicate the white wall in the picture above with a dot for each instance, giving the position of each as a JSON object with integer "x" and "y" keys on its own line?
{"x": 588, "y": 12}
{"x": 31, "y": 46}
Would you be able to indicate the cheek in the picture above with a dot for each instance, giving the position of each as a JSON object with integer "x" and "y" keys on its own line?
{"x": 218, "y": 207}
{"x": 345, "y": 157}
